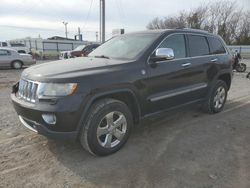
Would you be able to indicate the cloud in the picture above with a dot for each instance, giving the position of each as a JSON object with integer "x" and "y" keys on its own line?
{"x": 39, "y": 15}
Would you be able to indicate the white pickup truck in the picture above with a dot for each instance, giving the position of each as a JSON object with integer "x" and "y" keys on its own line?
{"x": 19, "y": 47}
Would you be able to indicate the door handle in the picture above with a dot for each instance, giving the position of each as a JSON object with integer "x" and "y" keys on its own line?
{"x": 186, "y": 64}
{"x": 214, "y": 60}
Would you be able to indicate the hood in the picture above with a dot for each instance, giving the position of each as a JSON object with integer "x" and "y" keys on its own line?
{"x": 70, "y": 68}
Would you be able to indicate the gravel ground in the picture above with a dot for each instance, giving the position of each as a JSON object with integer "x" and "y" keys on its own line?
{"x": 186, "y": 148}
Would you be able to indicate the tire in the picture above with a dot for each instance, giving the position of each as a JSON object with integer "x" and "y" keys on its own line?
{"x": 248, "y": 75}
{"x": 217, "y": 98}
{"x": 241, "y": 68}
{"x": 102, "y": 118}
{"x": 17, "y": 64}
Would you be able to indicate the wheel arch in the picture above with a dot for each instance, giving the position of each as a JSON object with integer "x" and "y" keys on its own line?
{"x": 226, "y": 77}
{"x": 11, "y": 63}
{"x": 125, "y": 95}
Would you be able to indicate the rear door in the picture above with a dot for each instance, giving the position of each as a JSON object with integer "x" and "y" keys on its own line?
{"x": 174, "y": 82}
{"x": 5, "y": 58}
{"x": 217, "y": 49}
{"x": 201, "y": 57}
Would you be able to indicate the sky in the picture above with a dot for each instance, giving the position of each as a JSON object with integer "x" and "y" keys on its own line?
{"x": 33, "y": 18}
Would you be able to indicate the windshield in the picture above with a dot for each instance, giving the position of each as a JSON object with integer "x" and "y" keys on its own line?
{"x": 79, "y": 48}
{"x": 124, "y": 46}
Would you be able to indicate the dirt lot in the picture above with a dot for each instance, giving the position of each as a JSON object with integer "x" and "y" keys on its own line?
{"x": 185, "y": 149}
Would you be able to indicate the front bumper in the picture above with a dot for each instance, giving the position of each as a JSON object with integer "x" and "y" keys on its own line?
{"x": 30, "y": 116}
{"x": 40, "y": 129}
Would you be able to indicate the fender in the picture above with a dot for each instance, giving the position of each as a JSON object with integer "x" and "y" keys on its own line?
{"x": 220, "y": 73}
{"x": 91, "y": 98}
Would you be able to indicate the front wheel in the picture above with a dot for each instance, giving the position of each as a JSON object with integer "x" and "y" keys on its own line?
{"x": 107, "y": 127}
{"x": 217, "y": 98}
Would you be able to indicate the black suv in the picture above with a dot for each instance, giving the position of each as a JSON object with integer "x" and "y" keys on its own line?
{"x": 98, "y": 99}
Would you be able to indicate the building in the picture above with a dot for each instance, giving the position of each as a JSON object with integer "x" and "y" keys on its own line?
{"x": 51, "y": 47}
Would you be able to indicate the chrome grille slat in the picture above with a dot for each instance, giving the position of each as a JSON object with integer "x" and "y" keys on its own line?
{"x": 28, "y": 90}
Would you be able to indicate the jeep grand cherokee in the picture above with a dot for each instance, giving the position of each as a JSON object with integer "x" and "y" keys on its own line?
{"x": 98, "y": 99}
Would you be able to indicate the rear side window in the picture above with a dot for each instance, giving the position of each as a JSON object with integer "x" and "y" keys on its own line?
{"x": 198, "y": 45}
{"x": 4, "y": 52}
{"x": 177, "y": 43}
{"x": 216, "y": 47}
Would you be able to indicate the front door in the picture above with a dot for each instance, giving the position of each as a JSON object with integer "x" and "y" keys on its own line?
{"x": 173, "y": 82}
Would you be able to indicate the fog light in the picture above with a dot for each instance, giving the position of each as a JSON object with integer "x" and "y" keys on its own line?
{"x": 49, "y": 118}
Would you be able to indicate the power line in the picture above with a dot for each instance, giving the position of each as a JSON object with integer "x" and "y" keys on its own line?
{"x": 88, "y": 14}
{"x": 42, "y": 29}
{"x": 120, "y": 11}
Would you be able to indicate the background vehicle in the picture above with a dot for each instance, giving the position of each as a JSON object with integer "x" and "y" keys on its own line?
{"x": 64, "y": 55}
{"x": 98, "y": 99}
{"x": 238, "y": 66}
{"x": 20, "y": 48}
{"x": 11, "y": 58}
{"x": 80, "y": 51}
{"x": 83, "y": 50}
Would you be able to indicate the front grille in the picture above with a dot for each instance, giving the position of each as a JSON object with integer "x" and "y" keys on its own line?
{"x": 28, "y": 90}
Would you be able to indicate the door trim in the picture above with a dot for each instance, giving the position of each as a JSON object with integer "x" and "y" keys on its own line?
{"x": 176, "y": 92}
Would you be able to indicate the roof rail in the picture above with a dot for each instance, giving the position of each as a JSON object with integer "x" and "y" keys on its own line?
{"x": 191, "y": 29}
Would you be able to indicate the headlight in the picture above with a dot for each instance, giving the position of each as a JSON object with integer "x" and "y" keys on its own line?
{"x": 56, "y": 89}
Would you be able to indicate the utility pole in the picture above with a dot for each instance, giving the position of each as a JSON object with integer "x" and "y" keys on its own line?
{"x": 79, "y": 34}
{"x": 66, "y": 29}
{"x": 96, "y": 34}
{"x": 102, "y": 20}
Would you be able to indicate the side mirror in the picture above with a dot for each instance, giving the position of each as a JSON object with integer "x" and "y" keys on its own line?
{"x": 165, "y": 53}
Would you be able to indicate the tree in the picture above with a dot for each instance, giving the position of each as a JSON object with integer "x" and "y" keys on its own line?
{"x": 224, "y": 18}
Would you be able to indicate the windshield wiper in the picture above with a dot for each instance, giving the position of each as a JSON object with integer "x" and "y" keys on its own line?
{"x": 102, "y": 56}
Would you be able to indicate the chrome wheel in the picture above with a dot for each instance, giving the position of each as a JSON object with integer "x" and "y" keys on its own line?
{"x": 17, "y": 65}
{"x": 219, "y": 98}
{"x": 112, "y": 129}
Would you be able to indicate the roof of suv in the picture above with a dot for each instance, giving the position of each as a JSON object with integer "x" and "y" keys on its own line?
{"x": 184, "y": 30}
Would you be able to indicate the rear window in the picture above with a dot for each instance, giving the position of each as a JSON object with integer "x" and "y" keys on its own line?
{"x": 17, "y": 45}
{"x": 198, "y": 45}
{"x": 216, "y": 47}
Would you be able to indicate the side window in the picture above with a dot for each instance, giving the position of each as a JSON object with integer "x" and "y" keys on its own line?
{"x": 4, "y": 53}
{"x": 4, "y": 44}
{"x": 177, "y": 43}
{"x": 87, "y": 49}
{"x": 198, "y": 45}
{"x": 216, "y": 47}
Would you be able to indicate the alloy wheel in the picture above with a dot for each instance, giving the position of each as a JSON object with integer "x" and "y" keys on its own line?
{"x": 219, "y": 98}
{"x": 112, "y": 129}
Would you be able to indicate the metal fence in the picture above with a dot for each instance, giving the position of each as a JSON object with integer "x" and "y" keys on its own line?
{"x": 52, "y": 45}
{"x": 244, "y": 50}
{"x": 49, "y": 49}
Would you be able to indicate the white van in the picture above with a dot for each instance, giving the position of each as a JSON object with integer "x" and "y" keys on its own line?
{"x": 19, "y": 47}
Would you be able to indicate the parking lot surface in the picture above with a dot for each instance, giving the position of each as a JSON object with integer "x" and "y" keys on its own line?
{"x": 183, "y": 149}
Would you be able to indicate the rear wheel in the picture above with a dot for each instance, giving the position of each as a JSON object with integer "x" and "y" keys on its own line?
{"x": 17, "y": 64}
{"x": 248, "y": 75}
{"x": 241, "y": 67}
{"x": 217, "y": 98}
{"x": 107, "y": 128}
